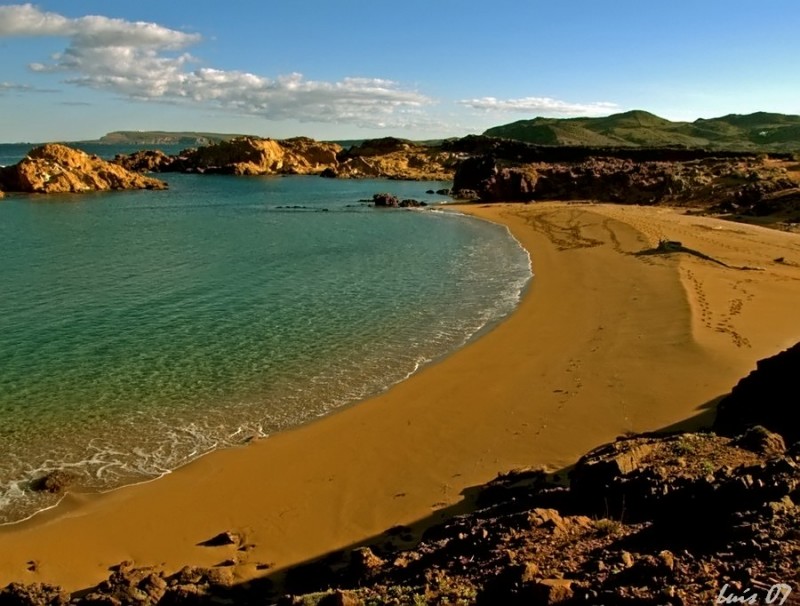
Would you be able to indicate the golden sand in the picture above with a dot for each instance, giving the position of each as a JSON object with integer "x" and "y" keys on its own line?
{"x": 604, "y": 342}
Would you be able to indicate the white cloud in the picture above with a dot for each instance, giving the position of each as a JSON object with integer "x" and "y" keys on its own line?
{"x": 148, "y": 62}
{"x": 24, "y": 88}
{"x": 90, "y": 31}
{"x": 540, "y": 105}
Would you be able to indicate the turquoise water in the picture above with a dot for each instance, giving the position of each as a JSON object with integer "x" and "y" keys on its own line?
{"x": 139, "y": 330}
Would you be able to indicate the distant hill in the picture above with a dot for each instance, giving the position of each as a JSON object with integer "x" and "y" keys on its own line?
{"x": 158, "y": 137}
{"x": 637, "y": 128}
{"x": 192, "y": 138}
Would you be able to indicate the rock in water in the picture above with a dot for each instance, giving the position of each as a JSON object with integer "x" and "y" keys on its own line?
{"x": 55, "y": 168}
{"x": 54, "y": 482}
{"x": 385, "y": 200}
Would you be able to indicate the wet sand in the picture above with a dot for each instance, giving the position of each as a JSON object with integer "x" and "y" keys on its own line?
{"x": 604, "y": 342}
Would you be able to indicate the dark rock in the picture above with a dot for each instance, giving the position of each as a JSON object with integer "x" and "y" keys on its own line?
{"x": 364, "y": 563}
{"x": 410, "y": 203}
{"x": 152, "y": 161}
{"x": 442, "y": 192}
{"x": 385, "y": 201}
{"x": 54, "y": 482}
{"x": 223, "y": 538}
{"x": 761, "y": 440}
{"x": 766, "y": 397}
{"x": 329, "y": 173}
{"x": 35, "y": 594}
{"x": 465, "y": 194}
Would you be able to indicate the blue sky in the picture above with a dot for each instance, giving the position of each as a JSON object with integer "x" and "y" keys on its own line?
{"x": 351, "y": 69}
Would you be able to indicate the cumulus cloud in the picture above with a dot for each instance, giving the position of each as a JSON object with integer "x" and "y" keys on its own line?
{"x": 540, "y": 105}
{"x": 149, "y": 62}
{"x": 90, "y": 31}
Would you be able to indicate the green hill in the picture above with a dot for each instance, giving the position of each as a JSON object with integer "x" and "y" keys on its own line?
{"x": 637, "y": 128}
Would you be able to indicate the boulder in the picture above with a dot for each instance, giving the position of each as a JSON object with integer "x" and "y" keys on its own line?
{"x": 551, "y": 591}
{"x": 145, "y": 161}
{"x": 385, "y": 200}
{"x": 761, "y": 441}
{"x": 54, "y": 482}
{"x": 364, "y": 563}
{"x": 55, "y": 168}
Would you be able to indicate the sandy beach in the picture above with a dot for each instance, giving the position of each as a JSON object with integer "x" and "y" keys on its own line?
{"x": 612, "y": 336}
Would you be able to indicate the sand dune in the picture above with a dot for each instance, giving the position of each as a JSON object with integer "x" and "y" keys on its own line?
{"x": 605, "y": 341}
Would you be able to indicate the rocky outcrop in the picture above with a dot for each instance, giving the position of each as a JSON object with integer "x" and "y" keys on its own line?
{"x": 55, "y": 168}
{"x": 145, "y": 161}
{"x": 648, "y": 520}
{"x": 253, "y": 156}
{"x": 397, "y": 159}
{"x": 735, "y": 182}
{"x": 241, "y": 156}
{"x": 767, "y": 397}
{"x": 379, "y": 158}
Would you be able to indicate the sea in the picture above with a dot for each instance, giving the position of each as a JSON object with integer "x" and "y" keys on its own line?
{"x": 140, "y": 330}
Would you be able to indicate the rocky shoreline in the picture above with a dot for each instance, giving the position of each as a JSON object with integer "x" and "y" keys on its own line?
{"x": 759, "y": 188}
{"x": 682, "y": 517}
{"x": 387, "y": 158}
{"x": 55, "y": 168}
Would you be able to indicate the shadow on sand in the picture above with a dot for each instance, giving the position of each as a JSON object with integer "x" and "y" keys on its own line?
{"x": 320, "y": 573}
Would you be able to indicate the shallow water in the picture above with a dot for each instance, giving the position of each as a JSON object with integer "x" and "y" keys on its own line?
{"x": 139, "y": 330}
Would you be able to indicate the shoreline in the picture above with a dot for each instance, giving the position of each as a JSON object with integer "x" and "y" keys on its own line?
{"x": 569, "y": 369}
{"x": 511, "y": 297}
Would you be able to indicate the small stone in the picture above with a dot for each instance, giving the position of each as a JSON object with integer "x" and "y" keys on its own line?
{"x": 552, "y": 591}
{"x": 627, "y": 559}
{"x": 667, "y": 559}
{"x": 222, "y": 539}
{"x": 530, "y": 572}
{"x": 363, "y": 562}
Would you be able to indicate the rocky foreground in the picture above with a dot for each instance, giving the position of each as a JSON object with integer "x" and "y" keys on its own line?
{"x": 55, "y": 168}
{"x": 681, "y": 518}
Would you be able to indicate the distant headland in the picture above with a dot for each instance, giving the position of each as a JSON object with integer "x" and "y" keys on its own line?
{"x": 764, "y": 131}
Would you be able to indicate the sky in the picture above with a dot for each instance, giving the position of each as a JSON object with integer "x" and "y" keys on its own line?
{"x": 351, "y": 69}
